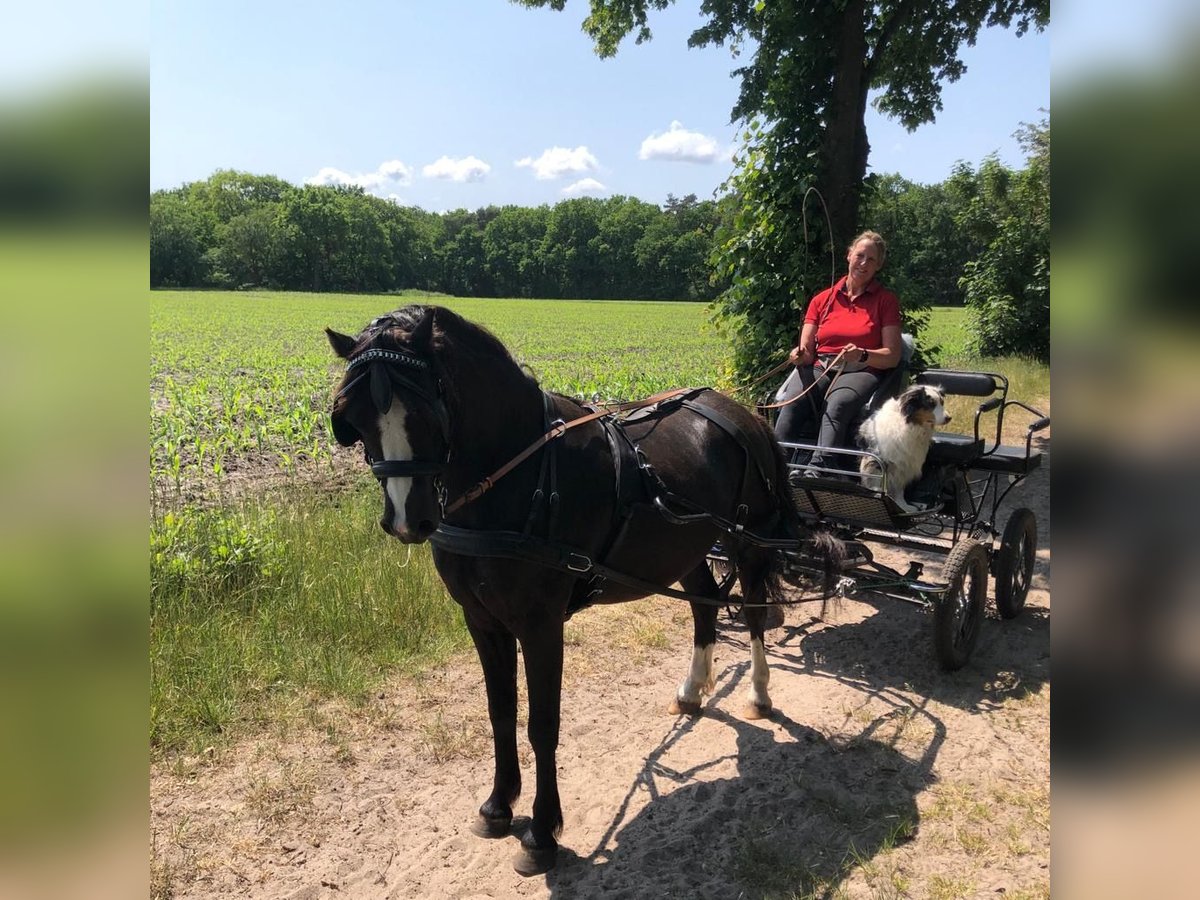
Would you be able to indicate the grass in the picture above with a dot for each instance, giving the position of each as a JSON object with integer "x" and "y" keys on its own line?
{"x": 310, "y": 598}
{"x": 268, "y": 589}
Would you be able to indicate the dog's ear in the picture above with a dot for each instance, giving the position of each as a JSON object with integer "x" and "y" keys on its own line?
{"x": 913, "y": 401}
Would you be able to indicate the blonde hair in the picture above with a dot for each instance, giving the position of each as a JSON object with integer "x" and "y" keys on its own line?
{"x": 874, "y": 238}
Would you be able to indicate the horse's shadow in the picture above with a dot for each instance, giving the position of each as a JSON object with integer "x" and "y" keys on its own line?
{"x": 800, "y": 813}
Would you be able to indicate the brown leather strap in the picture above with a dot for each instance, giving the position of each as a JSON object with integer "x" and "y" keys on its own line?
{"x": 837, "y": 361}
{"x": 553, "y": 434}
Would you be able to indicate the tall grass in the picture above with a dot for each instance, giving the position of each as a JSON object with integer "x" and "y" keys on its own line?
{"x": 282, "y": 599}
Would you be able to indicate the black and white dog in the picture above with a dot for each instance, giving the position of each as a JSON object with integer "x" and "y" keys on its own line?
{"x": 898, "y": 435}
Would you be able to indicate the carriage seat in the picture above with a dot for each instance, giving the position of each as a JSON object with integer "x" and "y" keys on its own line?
{"x": 976, "y": 450}
{"x": 948, "y": 447}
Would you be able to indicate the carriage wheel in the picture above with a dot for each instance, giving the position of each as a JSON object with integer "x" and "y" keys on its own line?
{"x": 1014, "y": 562}
{"x": 720, "y": 569}
{"x": 958, "y": 615}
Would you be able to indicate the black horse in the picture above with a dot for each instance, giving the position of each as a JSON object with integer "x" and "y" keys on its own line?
{"x": 592, "y": 514}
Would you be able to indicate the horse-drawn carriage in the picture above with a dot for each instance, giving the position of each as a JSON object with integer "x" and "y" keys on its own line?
{"x": 950, "y": 511}
{"x": 538, "y": 506}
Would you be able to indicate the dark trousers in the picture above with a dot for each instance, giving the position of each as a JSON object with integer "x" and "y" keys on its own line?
{"x": 828, "y": 412}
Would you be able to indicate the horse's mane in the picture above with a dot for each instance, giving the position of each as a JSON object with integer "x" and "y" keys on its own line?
{"x": 461, "y": 346}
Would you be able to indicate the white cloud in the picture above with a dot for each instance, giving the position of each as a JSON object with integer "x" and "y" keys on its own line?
{"x": 584, "y": 186}
{"x": 677, "y": 144}
{"x": 466, "y": 169}
{"x": 559, "y": 161}
{"x": 382, "y": 181}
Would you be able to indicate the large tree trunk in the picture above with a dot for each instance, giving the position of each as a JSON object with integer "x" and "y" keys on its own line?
{"x": 845, "y": 148}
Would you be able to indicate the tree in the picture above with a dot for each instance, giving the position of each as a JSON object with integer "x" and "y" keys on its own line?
{"x": 1008, "y": 287}
{"x": 249, "y": 251}
{"x": 803, "y": 99}
{"x": 176, "y": 247}
{"x": 512, "y": 251}
{"x": 570, "y": 249}
{"x": 314, "y": 233}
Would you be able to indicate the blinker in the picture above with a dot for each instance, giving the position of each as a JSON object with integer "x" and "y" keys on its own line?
{"x": 381, "y": 387}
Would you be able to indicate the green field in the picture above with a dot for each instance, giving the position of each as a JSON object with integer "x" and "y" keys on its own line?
{"x": 239, "y": 379}
{"x": 271, "y": 582}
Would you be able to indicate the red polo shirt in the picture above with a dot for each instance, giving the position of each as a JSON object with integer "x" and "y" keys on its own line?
{"x": 841, "y": 321}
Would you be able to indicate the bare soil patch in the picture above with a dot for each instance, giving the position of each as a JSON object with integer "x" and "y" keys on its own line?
{"x": 878, "y": 775}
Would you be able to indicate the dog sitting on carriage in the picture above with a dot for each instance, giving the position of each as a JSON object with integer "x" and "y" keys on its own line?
{"x": 897, "y": 437}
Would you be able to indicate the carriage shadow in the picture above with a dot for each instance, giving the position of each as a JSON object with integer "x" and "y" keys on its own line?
{"x": 802, "y": 811}
{"x": 892, "y": 648}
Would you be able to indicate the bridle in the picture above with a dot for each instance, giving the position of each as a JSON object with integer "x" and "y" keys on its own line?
{"x": 381, "y": 394}
{"x": 389, "y": 367}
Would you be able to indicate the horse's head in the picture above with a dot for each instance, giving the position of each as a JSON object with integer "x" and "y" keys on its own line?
{"x": 391, "y": 400}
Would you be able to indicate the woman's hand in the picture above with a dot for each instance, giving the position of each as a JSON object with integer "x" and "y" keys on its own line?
{"x": 799, "y": 357}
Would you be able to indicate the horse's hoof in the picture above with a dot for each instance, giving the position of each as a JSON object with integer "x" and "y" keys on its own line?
{"x": 491, "y": 828}
{"x": 755, "y": 711}
{"x": 535, "y": 861}
{"x": 684, "y": 707}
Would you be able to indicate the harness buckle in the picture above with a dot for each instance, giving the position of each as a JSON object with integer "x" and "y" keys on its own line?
{"x": 577, "y": 562}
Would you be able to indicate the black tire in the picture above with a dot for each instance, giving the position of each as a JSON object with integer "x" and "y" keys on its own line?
{"x": 1014, "y": 562}
{"x": 958, "y": 615}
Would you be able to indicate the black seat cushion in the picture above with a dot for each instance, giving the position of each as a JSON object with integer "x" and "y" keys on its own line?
{"x": 954, "y": 448}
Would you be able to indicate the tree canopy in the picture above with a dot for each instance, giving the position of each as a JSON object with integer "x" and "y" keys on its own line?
{"x": 803, "y": 99}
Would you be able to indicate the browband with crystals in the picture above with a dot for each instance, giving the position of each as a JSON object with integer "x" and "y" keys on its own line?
{"x": 396, "y": 356}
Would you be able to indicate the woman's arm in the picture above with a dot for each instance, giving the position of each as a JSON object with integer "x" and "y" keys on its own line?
{"x": 887, "y": 356}
{"x": 805, "y": 353}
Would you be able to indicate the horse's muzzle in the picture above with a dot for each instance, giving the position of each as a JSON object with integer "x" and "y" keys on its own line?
{"x": 416, "y": 534}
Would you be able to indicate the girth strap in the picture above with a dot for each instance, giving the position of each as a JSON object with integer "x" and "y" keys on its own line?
{"x": 564, "y": 558}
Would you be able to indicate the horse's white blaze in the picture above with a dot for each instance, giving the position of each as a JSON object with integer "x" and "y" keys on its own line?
{"x": 700, "y": 679}
{"x": 760, "y": 675}
{"x": 393, "y": 438}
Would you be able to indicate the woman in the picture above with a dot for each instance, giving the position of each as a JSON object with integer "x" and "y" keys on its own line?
{"x": 857, "y": 315}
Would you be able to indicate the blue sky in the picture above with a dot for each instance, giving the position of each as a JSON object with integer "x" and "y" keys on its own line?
{"x": 465, "y": 103}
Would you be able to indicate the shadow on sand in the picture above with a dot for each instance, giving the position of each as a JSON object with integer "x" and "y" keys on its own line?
{"x": 799, "y": 814}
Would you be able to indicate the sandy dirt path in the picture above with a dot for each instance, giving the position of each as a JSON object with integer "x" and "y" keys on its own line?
{"x": 878, "y": 775}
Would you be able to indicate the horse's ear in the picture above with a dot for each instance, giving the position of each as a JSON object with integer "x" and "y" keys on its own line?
{"x": 342, "y": 344}
{"x": 421, "y": 338}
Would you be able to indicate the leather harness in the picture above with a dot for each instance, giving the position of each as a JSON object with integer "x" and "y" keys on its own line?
{"x": 637, "y": 484}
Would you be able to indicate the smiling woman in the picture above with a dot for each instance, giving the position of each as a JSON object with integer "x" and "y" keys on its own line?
{"x": 850, "y": 337}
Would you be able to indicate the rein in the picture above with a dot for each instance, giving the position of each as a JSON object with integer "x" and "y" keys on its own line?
{"x": 836, "y": 364}
{"x": 560, "y": 428}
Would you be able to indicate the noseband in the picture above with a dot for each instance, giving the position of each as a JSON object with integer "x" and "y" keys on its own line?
{"x": 395, "y": 360}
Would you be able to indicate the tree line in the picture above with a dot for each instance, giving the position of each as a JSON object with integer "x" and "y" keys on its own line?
{"x": 981, "y": 237}
{"x": 238, "y": 230}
